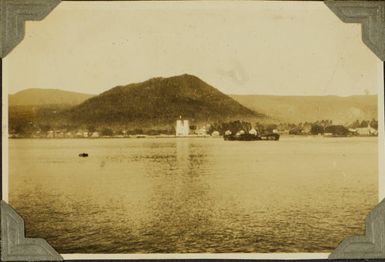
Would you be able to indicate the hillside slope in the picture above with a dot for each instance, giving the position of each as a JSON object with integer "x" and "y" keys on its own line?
{"x": 44, "y": 97}
{"x": 297, "y": 109}
{"x": 160, "y": 101}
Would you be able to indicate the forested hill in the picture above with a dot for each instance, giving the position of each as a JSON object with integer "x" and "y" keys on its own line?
{"x": 161, "y": 101}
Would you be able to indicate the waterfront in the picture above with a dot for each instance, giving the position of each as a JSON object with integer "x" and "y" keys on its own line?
{"x": 175, "y": 195}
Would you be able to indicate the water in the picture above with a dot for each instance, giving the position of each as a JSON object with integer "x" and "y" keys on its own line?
{"x": 167, "y": 195}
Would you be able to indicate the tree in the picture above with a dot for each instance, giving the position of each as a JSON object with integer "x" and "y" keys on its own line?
{"x": 269, "y": 128}
{"x": 317, "y": 129}
{"x": 364, "y": 123}
{"x": 338, "y": 130}
{"x": 260, "y": 128}
{"x": 45, "y": 128}
{"x": 91, "y": 128}
{"x": 295, "y": 131}
{"x": 24, "y": 130}
{"x": 374, "y": 124}
{"x": 107, "y": 132}
{"x": 215, "y": 127}
{"x": 355, "y": 124}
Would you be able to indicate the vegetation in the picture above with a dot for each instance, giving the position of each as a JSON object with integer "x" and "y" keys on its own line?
{"x": 338, "y": 130}
{"x": 153, "y": 106}
{"x": 44, "y": 97}
{"x": 233, "y": 126}
{"x": 306, "y": 128}
{"x": 159, "y": 101}
{"x": 296, "y": 109}
{"x": 26, "y": 122}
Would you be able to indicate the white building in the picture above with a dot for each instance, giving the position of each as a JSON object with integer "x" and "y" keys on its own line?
{"x": 215, "y": 133}
{"x": 367, "y": 131}
{"x": 182, "y": 128}
{"x": 253, "y": 131}
{"x": 95, "y": 134}
{"x": 50, "y": 134}
{"x": 202, "y": 131}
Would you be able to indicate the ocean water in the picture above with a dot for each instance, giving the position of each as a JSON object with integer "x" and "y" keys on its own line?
{"x": 189, "y": 195}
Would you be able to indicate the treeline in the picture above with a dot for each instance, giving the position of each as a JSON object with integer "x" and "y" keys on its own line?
{"x": 34, "y": 128}
{"x": 305, "y": 128}
{"x": 127, "y": 132}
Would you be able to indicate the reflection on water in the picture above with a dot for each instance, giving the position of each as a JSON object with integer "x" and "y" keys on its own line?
{"x": 193, "y": 195}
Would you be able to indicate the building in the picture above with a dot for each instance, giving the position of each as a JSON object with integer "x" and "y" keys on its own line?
{"x": 50, "y": 134}
{"x": 95, "y": 134}
{"x": 228, "y": 132}
{"x": 59, "y": 134}
{"x": 215, "y": 133}
{"x": 182, "y": 127}
{"x": 366, "y": 131}
{"x": 253, "y": 132}
{"x": 202, "y": 131}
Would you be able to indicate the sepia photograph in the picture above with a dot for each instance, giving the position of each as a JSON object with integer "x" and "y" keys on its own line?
{"x": 193, "y": 127}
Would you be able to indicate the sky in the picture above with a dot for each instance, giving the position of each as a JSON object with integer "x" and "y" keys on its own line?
{"x": 239, "y": 47}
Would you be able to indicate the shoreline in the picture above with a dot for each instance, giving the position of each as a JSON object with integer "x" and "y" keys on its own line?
{"x": 184, "y": 137}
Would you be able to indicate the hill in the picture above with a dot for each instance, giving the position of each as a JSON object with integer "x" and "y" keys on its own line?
{"x": 160, "y": 101}
{"x": 296, "y": 109}
{"x": 45, "y": 97}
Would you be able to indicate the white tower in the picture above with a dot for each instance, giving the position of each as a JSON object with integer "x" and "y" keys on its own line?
{"x": 182, "y": 127}
{"x": 186, "y": 127}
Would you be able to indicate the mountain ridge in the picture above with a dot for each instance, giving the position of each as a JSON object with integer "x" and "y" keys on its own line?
{"x": 44, "y": 97}
{"x": 296, "y": 109}
{"x": 159, "y": 101}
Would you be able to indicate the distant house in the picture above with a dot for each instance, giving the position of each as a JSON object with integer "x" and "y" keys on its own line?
{"x": 202, "y": 131}
{"x": 295, "y": 131}
{"x": 215, "y": 133}
{"x": 182, "y": 128}
{"x": 37, "y": 134}
{"x": 253, "y": 131}
{"x": 366, "y": 131}
{"x": 306, "y": 129}
{"x": 283, "y": 131}
{"x": 95, "y": 134}
{"x": 59, "y": 134}
{"x": 50, "y": 134}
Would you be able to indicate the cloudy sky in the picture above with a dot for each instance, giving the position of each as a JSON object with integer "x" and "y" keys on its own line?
{"x": 240, "y": 47}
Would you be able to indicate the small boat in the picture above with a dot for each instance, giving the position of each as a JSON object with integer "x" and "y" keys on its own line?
{"x": 83, "y": 155}
{"x": 252, "y": 137}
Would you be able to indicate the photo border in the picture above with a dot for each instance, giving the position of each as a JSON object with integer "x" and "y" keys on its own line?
{"x": 14, "y": 245}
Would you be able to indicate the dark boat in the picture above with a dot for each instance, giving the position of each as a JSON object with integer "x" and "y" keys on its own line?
{"x": 83, "y": 155}
{"x": 252, "y": 137}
